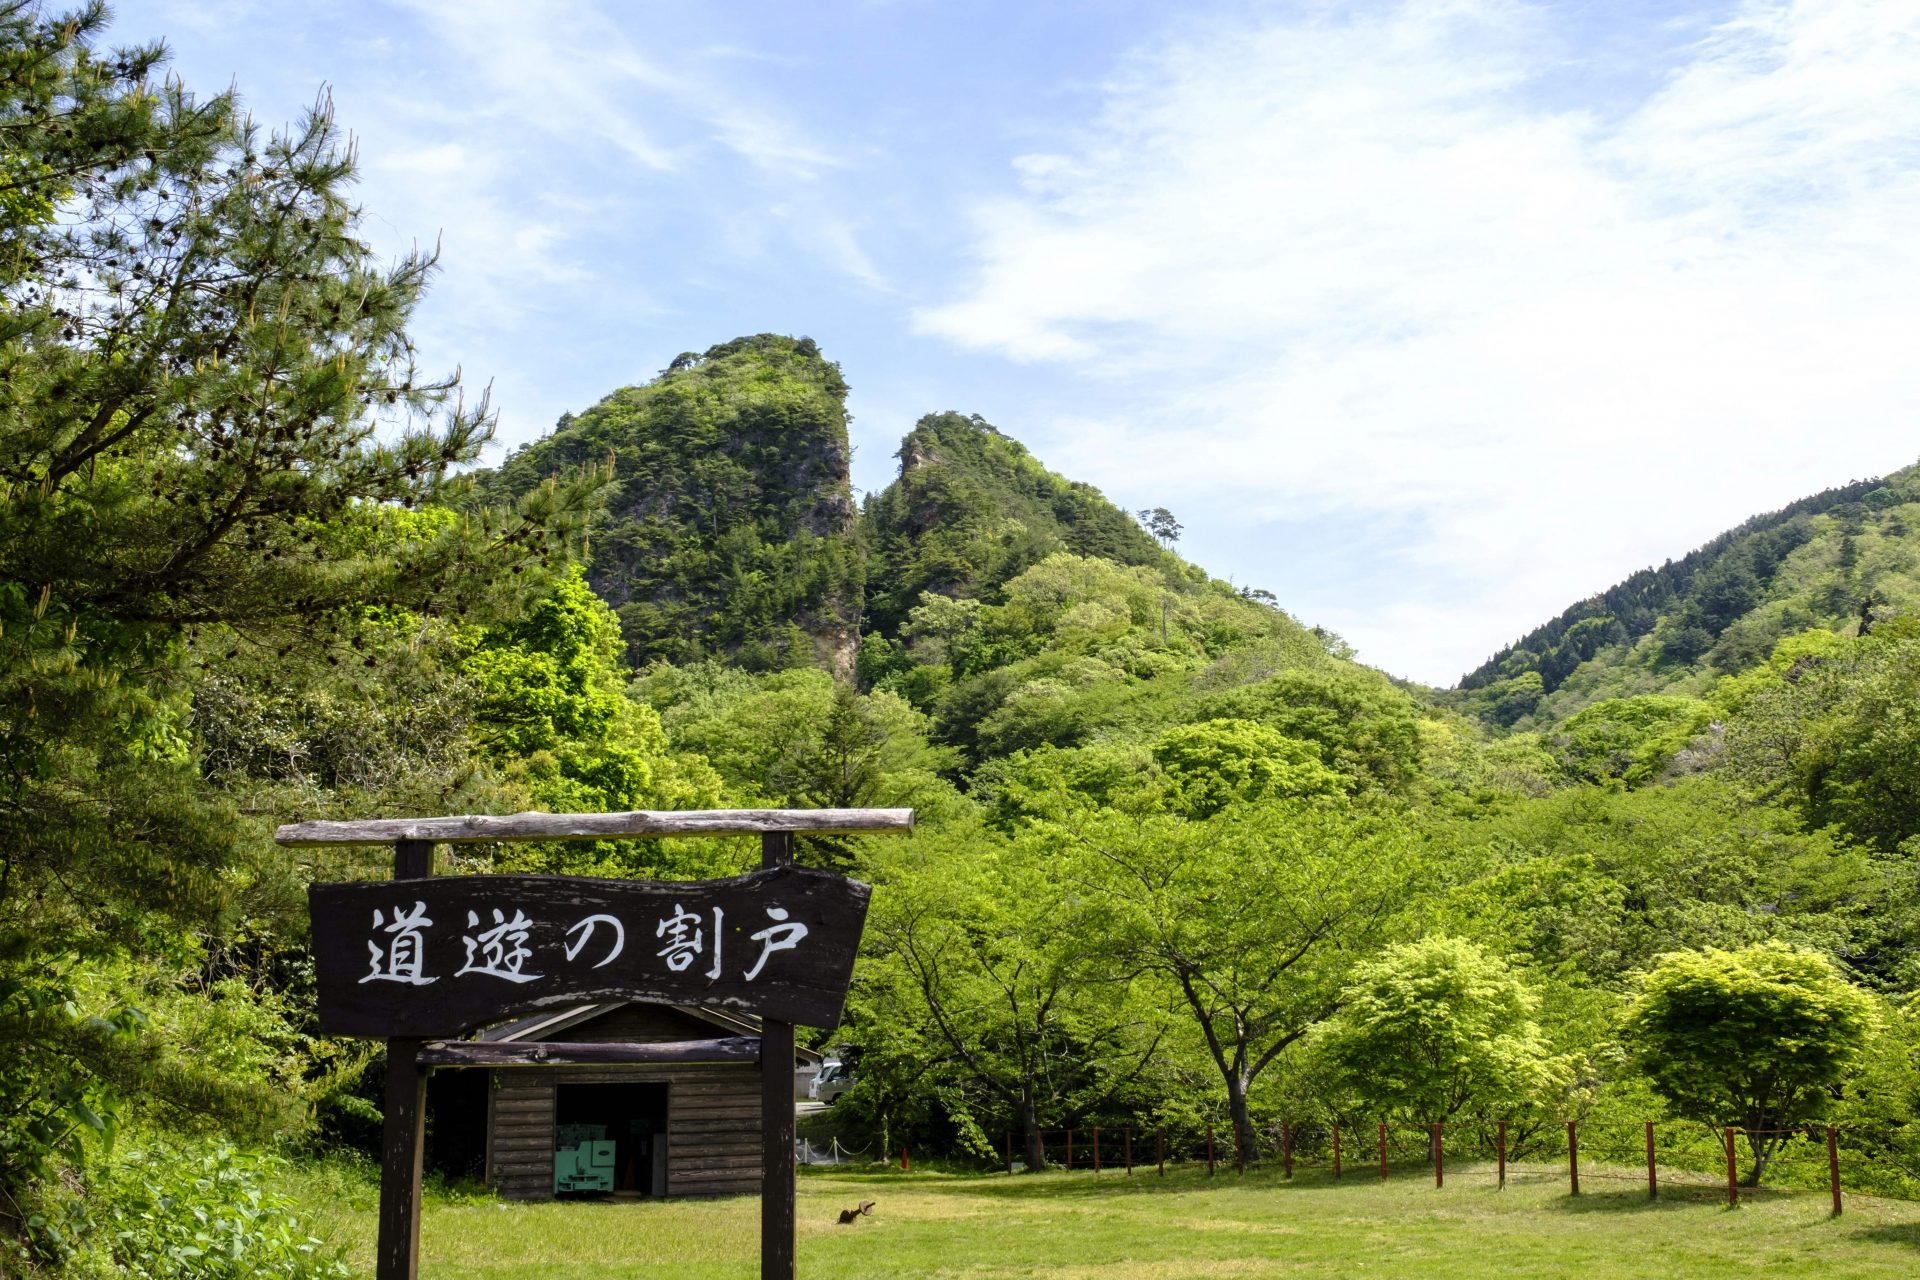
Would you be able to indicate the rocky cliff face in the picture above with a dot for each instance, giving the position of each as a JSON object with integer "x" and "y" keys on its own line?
{"x": 972, "y": 509}
{"x": 732, "y": 534}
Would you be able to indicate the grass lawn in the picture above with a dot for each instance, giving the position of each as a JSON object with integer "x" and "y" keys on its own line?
{"x": 1073, "y": 1225}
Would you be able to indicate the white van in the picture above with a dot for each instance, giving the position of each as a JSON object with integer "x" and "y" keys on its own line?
{"x": 834, "y": 1079}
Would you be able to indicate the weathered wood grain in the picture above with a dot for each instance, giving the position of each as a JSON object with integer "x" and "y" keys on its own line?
{"x": 778, "y": 1176}
{"x": 547, "y": 1053}
{"x": 403, "y": 1122}
{"x": 489, "y": 829}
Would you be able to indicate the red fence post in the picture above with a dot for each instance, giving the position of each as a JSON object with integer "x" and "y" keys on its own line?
{"x": 1009, "y": 1151}
{"x": 1286, "y": 1147}
{"x": 1209, "y": 1150}
{"x": 903, "y": 1160}
{"x": 1573, "y": 1157}
{"x": 1069, "y": 1151}
{"x": 1127, "y": 1137}
{"x": 1733, "y": 1175}
{"x": 1503, "y": 1155}
{"x": 1096, "y": 1148}
{"x": 1160, "y": 1150}
{"x": 1653, "y": 1178}
{"x": 1336, "y": 1151}
{"x": 1383, "y": 1153}
{"x": 1833, "y": 1167}
{"x": 1439, "y": 1159}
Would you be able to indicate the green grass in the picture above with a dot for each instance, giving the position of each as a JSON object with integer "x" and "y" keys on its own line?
{"x": 1080, "y": 1225}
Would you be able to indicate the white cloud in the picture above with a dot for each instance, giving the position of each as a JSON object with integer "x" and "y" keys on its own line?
{"x": 1356, "y": 267}
{"x": 576, "y": 161}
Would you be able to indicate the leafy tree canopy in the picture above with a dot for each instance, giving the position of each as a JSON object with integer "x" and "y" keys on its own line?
{"x": 1754, "y": 1038}
{"x": 1438, "y": 1026}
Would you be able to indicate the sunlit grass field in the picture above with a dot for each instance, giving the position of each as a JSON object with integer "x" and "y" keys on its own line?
{"x": 1185, "y": 1224}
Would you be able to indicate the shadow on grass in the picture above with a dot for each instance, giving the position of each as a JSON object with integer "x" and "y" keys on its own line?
{"x": 1634, "y": 1200}
{"x": 1083, "y": 1184}
{"x": 1616, "y": 1193}
{"x": 1673, "y": 1195}
{"x": 1902, "y": 1233}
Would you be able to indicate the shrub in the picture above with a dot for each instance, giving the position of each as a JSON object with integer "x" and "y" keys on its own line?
{"x": 171, "y": 1213}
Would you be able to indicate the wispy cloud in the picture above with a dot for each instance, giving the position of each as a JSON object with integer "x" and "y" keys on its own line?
{"x": 1367, "y": 265}
{"x": 582, "y": 165}
{"x": 570, "y": 72}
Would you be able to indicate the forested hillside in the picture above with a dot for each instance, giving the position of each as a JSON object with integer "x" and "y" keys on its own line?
{"x": 1181, "y": 861}
{"x": 1837, "y": 560}
{"x": 731, "y": 530}
{"x": 971, "y": 509}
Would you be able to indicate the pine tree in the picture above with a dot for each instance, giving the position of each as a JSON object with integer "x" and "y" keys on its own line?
{"x": 210, "y": 418}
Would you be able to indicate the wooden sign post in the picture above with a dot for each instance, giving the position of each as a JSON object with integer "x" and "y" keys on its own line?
{"x": 419, "y": 960}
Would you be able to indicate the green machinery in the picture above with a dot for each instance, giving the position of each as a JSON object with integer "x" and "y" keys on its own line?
{"x": 582, "y": 1158}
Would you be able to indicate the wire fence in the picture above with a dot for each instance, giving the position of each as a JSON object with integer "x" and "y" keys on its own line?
{"x": 1665, "y": 1160}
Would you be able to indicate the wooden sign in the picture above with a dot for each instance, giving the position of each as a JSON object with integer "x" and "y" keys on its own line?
{"x": 442, "y": 955}
{"x": 420, "y": 956}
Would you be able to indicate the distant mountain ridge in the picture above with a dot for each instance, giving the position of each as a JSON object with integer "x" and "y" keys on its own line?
{"x": 1834, "y": 559}
{"x": 733, "y": 533}
{"x": 1012, "y": 608}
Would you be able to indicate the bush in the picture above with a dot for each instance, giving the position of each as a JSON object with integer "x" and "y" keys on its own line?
{"x": 171, "y": 1213}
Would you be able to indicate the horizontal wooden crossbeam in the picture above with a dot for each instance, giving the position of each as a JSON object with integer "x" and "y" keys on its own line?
{"x": 554, "y": 1053}
{"x": 489, "y": 829}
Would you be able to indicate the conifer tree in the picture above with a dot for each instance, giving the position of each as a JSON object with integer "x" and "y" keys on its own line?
{"x": 210, "y": 418}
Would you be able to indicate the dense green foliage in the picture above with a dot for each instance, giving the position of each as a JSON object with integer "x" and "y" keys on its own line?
{"x": 168, "y": 1214}
{"x": 1755, "y": 1038}
{"x": 971, "y": 510}
{"x": 213, "y": 441}
{"x": 1436, "y": 1026}
{"x": 731, "y": 533}
{"x": 1181, "y": 859}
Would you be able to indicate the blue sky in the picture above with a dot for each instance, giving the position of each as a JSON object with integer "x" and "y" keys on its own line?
{"x": 1430, "y": 318}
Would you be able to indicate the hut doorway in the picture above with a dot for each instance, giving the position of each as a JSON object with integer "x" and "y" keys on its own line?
{"x": 610, "y": 1139}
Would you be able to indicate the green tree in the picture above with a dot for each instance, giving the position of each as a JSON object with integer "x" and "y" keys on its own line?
{"x": 1362, "y": 726}
{"x": 986, "y": 968}
{"x": 209, "y": 413}
{"x": 1834, "y": 727}
{"x": 802, "y": 738}
{"x": 1597, "y": 883}
{"x": 1220, "y": 762}
{"x": 1757, "y": 1038}
{"x": 1436, "y": 1026}
{"x": 1161, "y": 524}
{"x": 551, "y": 704}
{"x": 1628, "y": 738}
{"x": 1254, "y": 916}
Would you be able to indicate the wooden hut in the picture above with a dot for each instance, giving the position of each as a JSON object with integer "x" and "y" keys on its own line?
{"x": 656, "y": 1129}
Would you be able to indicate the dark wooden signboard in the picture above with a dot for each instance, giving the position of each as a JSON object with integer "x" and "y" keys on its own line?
{"x": 440, "y": 956}
{"x": 420, "y": 956}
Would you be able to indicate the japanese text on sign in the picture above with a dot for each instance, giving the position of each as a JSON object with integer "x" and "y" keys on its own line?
{"x": 443, "y": 954}
{"x": 398, "y": 943}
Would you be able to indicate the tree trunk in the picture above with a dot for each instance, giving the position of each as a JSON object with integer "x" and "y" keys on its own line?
{"x": 1030, "y": 1127}
{"x": 1244, "y": 1143}
{"x": 1761, "y": 1146}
